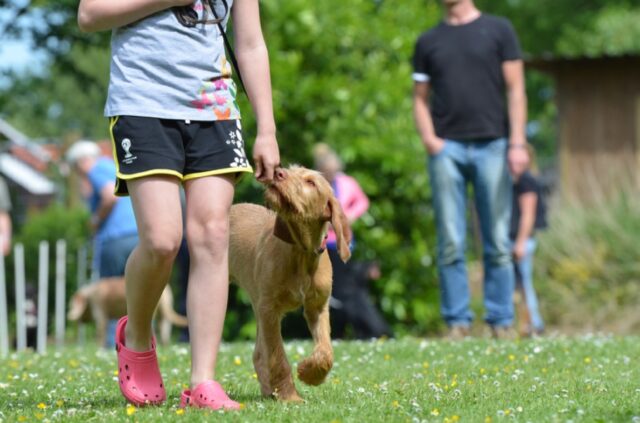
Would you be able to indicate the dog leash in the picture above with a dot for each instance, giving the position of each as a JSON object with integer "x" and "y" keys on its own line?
{"x": 227, "y": 44}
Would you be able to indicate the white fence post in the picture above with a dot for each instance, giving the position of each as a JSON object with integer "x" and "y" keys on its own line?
{"x": 21, "y": 324}
{"x": 43, "y": 294}
{"x": 4, "y": 320}
{"x": 61, "y": 279}
{"x": 82, "y": 279}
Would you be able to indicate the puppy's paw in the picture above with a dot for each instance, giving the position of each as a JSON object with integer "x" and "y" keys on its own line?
{"x": 315, "y": 369}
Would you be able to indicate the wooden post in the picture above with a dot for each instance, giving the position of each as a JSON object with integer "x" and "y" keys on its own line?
{"x": 61, "y": 280}
{"x": 21, "y": 324}
{"x": 4, "y": 321}
{"x": 43, "y": 295}
{"x": 82, "y": 279}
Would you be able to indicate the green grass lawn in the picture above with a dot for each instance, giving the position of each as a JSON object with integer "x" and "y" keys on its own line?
{"x": 407, "y": 380}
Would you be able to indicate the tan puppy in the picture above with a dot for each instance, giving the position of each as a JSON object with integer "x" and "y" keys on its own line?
{"x": 105, "y": 300}
{"x": 279, "y": 258}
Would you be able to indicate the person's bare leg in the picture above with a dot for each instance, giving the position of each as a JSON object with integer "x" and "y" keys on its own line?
{"x": 156, "y": 203}
{"x": 208, "y": 203}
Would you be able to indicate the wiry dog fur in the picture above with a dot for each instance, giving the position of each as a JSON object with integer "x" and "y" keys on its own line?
{"x": 277, "y": 256}
{"x": 105, "y": 300}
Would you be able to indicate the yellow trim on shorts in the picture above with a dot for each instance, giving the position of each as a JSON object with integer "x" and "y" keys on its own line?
{"x": 149, "y": 173}
{"x": 217, "y": 172}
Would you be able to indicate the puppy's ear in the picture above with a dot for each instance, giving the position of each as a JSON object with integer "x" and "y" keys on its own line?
{"x": 77, "y": 307}
{"x": 340, "y": 226}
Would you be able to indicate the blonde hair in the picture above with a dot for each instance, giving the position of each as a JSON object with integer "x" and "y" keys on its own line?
{"x": 323, "y": 154}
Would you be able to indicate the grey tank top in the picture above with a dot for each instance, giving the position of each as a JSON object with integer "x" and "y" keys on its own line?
{"x": 162, "y": 69}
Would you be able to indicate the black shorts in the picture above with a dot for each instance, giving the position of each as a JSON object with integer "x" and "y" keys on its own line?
{"x": 144, "y": 146}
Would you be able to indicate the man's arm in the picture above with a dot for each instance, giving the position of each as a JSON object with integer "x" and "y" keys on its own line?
{"x": 424, "y": 122}
{"x": 107, "y": 201}
{"x": 513, "y": 72}
{"x": 100, "y": 15}
{"x": 253, "y": 60}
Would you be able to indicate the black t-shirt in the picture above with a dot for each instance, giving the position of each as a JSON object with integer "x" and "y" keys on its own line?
{"x": 463, "y": 64}
{"x": 526, "y": 184}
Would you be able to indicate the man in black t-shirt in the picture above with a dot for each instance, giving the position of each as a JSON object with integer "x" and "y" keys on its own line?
{"x": 463, "y": 68}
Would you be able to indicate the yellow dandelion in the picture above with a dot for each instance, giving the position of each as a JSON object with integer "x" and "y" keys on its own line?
{"x": 39, "y": 416}
{"x": 395, "y": 404}
{"x": 387, "y": 357}
{"x": 482, "y": 371}
{"x": 587, "y": 360}
{"x": 512, "y": 357}
{"x": 255, "y": 375}
{"x": 59, "y": 403}
{"x": 180, "y": 411}
{"x": 435, "y": 412}
{"x": 487, "y": 419}
{"x": 454, "y": 383}
{"x": 242, "y": 406}
{"x": 42, "y": 406}
{"x": 130, "y": 410}
{"x": 115, "y": 373}
{"x": 455, "y": 418}
{"x": 425, "y": 365}
{"x": 507, "y": 412}
{"x": 237, "y": 361}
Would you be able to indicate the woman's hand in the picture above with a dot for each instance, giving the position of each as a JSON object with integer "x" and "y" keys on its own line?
{"x": 266, "y": 157}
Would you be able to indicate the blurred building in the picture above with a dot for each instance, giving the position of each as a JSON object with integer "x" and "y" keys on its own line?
{"x": 598, "y": 101}
{"x": 23, "y": 163}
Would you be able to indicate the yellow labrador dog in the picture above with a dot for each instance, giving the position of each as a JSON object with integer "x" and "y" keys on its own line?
{"x": 278, "y": 256}
{"x": 105, "y": 300}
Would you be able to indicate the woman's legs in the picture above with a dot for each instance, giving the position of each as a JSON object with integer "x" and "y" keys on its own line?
{"x": 208, "y": 202}
{"x": 156, "y": 203}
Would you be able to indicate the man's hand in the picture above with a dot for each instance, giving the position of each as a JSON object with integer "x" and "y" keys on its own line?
{"x": 518, "y": 158}
{"x": 266, "y": 157}
{"x": 519, "y": 250}
{"x": 434, "y": 145}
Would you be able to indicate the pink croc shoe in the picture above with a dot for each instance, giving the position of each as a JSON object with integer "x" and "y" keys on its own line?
{"x": 138, "y": 372}
{"x": 210, "y": 395}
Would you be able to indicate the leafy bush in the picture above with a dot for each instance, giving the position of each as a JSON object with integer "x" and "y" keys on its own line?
{"x": 587, "y": 266}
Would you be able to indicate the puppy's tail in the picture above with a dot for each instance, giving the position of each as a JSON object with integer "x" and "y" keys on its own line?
{"x": 166, "y": 309}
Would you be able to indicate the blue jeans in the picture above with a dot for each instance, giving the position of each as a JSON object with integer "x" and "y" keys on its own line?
{"x": 525, "y": 270}
{"x": 484, "y": 165}
{"x": 112, "y": 255}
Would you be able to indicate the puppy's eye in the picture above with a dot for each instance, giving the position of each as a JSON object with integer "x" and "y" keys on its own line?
{"x": 311, "y": 183}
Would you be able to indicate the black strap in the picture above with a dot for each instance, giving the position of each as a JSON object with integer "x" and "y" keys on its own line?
{"x": 227, "y": 44}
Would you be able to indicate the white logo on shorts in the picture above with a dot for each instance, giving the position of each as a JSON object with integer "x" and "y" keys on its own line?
{"x": 126, "y": 146}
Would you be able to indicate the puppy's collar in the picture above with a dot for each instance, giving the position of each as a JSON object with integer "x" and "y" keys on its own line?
{"x": 282, "y": 232}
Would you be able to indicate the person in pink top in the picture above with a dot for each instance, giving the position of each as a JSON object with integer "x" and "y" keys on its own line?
{"x": 350, "y": 302}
